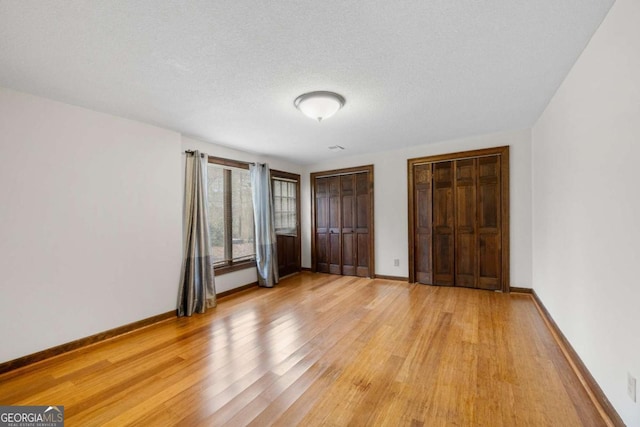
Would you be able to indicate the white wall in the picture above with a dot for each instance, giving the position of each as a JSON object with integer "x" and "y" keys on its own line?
{"x": 89, "y": 222}
{"x": 586, "y": 207}
{"x": 390, "y": 200}
{"x": 239, "y": 278}
{"x": 99, "y": 245}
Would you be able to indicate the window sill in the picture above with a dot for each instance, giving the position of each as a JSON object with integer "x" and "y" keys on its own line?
{"x": 240, "y": 265}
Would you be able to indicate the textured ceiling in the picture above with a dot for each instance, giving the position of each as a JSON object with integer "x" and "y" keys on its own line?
{"x": 227, "y": 71}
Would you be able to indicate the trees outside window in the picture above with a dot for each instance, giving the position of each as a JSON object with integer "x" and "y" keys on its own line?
{"x": 230, "y": 215}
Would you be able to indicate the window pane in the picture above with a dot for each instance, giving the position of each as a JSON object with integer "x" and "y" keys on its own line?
{"x": 216, "y": 211}
{"x": 284, "y": 200}
{"x": 242, "y": 215}
{"x": 292, "y": 205}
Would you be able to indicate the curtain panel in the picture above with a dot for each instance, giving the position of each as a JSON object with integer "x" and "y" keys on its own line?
{"x": 265, "y": 231}
{"x": 197, "y": 288}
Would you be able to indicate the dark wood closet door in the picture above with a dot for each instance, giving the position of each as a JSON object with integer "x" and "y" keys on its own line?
{"x": 489, "y": 223}
{"x": 466, "y": 262}
{"x": 343, "y": 221}
{"x": 335, "y": 255}
{"x": 348, "y": 200}
{"x": 322, "y": 224}
{"x": 363, "y": 223}
{"x": 459, "y": 219}
{"x": 423, "y": 220}
{"x": 443, "y": 224}
{"x": 327, "y": 229}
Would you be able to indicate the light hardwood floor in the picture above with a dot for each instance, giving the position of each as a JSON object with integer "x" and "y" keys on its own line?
{"x": 323, "y": 350}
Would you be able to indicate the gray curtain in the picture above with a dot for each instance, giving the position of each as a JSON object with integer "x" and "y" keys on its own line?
{"x": 265, "y": 230}
{"x": 197, "y": 289}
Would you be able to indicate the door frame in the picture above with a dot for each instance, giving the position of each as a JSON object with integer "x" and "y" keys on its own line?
{"x": 337, "y": 172}
{"x": 502, "y": 151}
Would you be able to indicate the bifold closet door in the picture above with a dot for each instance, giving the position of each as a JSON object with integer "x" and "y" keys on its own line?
{"x": 477, "y": 230}
{"x": 457, "y": 223}
{"x": 343, "y": 224}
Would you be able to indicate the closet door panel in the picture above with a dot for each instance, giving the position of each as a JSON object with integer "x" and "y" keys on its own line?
{"x": 334, "y": 226}
{"x": 489, "y": 223}
{"x": 348, "y": 225}
{"x": 334, "y": 203}
{"x": 362, "y": 223}
{"x": 443, "y": 224}
{"x": 466, "y": 236}
{"x": 334, "y": 254}
{"x": 423, "y": 218}
{"x": 322, "y": 264}
{"x": 489, "y": 254}
{"x": 322, "y": 225}
{"x": 362, "y": 269}
{"x": 348, "y": 254}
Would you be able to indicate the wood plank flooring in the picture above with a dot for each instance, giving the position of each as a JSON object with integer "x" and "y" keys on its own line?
{"x": 322, "y": 350}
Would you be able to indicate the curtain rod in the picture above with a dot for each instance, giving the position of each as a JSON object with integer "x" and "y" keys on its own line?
{"x": 223, "y": 159}
{"x": 192, "y": 152}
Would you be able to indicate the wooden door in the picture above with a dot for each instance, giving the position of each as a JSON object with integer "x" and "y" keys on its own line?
{"x": 466, "y": 238}
{"x": 363, "y": 219}
{"x": 335, "y": 243}
{"x": 327, "y": 229}
{"x": 349, "y": 242}
{"x": 489, "y": 223}
{"x": 423, "y": 221}
{"x": 321, "y": 231}
{"x": 286, "y": 208}
{"x": 459, "y": 219}
{"x": 443, "y": 224}
{"x": 342, "y": 239}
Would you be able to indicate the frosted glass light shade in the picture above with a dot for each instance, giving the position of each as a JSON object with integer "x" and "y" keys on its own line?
{"x": 319, "y": 105}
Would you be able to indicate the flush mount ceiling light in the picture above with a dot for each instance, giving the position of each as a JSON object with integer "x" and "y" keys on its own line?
{"x": 319, "y": 105}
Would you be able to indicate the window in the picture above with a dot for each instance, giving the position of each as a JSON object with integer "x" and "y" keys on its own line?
{"x": 230, "y": 212}
{"x": 284, "y": 206}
